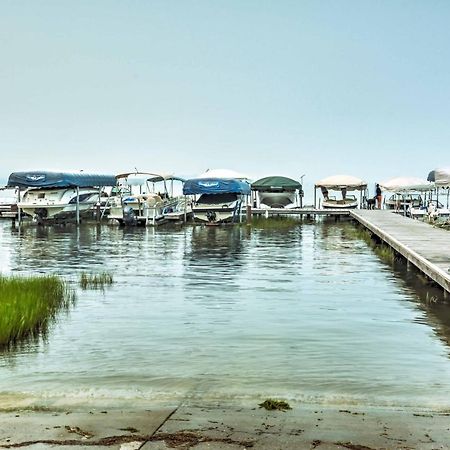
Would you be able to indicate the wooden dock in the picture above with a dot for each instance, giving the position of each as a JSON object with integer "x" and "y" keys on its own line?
{"x": 425, "y": 246}
{"x": 267, "y": 212}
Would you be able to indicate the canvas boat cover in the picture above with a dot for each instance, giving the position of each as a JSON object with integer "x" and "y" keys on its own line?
{"x": 140, "y": 178}
{"x": 338, "y": 182}
{"x": 441, "y": 177}
{"x": 215, "y": 186}
{"x": 48, "y": 179}
{"x": 276, "y": 183}
{"x": 223, "y": 173}
{"x": 406, "y": 184}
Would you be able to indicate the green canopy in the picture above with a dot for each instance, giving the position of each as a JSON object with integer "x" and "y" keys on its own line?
{"x": 276, "y": 184}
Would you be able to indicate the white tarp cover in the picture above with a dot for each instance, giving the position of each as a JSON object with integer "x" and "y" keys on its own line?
{"x": 140, "y": 178}
{"x": 406, "y": 184}
{"x": 223, "y": 173}
{"x": 338, "y": 182}
{"x": 442, "y": 177}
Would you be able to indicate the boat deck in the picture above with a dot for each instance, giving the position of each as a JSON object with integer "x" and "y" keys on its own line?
{"x": 425, "y": 246}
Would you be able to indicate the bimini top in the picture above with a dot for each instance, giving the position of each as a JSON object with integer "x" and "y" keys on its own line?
{"x": 406, "y": 184}
{"x": 215, "y": 186}
{"x": 276, "y": 184}
{"x": 223, "y": 173}
{"x": 140, "y": 178}
{"x": 338, "y": 182}
{"x": 441, "y": 177}
{"x": 48, "y": 179}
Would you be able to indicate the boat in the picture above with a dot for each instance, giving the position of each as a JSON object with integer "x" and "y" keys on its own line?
{"x": 142, "y": 198}
{"x": 220, "y": 199}
{"x": 277, "y": 192}
{"x": 53, "y": 195}
{"x": 432, "y": 210}
{"x": 342, "y": 183}
{"x": 406, "y": 193}
{"x": 441, "y": 179}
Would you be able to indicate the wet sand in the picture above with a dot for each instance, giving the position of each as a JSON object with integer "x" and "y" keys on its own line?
{"x": 228, "y": 427}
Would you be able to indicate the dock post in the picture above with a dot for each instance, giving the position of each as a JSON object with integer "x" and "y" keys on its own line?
{"x": 98, "y": 212}
{"x": 78, "y": 205}
{"x": 19, "y": 212}
{"x": 185, "y": 209}
{"x": 249, "y": 214}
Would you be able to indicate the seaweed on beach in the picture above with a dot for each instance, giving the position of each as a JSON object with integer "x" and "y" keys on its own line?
{"x": 274, "y": 405}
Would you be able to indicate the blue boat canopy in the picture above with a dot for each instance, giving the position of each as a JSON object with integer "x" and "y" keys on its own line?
{"x": 48, "y": 179}
{"x": 215, "y": 186}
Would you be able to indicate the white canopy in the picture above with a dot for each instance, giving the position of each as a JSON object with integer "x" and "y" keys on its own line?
{"x": 338, "y": 182}
{"x": 223, "y": 173}
{"x": 406, "y": 184}
{"x": 140, "y": 178}
{"x": 441, "y": 177}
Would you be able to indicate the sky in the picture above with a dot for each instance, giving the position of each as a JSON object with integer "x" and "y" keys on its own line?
{"x": 292, "y": 88}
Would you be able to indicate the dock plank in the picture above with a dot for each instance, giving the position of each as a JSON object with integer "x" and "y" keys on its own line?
{"x": 425, "y": 246}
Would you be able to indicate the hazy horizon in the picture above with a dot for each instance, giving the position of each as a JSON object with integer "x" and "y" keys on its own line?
{"x": 289, "y": 88}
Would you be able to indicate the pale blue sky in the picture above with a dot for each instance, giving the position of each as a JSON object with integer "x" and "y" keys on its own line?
{"x": 264, "y": 87}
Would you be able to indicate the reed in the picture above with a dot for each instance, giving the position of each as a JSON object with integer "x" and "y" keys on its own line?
{"x": 95, "y": 280}
{"x": 29, "y": 304}
{"x": 274, "y": 223}
{"x": 384, "y": 251}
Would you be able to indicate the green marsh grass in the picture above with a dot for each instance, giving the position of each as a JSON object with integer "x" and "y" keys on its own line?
{"x": 384, "y": 251}
{"x": 95, "y": 280}
{"x": 274, "y": 223}
{"x": 29, "y": 304}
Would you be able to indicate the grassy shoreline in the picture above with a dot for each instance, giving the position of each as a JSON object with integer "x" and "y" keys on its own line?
{"x": 29, "y": 304}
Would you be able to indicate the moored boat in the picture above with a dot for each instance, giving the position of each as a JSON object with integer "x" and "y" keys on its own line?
{"x": 220, "y": 199}
{"x": 142, "y": 198}
{"x": 277, "y": 192}
{"x": 342, "y": 183}
{"x": 53, "y": 195}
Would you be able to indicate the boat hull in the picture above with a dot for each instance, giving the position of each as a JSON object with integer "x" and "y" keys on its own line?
{"x": 276, "y": 199}
{"x": 48, "y": 204}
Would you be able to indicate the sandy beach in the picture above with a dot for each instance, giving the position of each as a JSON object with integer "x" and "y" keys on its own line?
{"x": 228, "y": 427}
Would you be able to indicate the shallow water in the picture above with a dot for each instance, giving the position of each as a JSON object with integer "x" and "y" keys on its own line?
{"x": 308, "y": 313}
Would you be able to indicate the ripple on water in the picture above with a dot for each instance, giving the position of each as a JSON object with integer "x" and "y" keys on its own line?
{"x": 309, "y": 314}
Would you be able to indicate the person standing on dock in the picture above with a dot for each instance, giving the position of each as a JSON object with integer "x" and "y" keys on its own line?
{"x": 378, "y": 196}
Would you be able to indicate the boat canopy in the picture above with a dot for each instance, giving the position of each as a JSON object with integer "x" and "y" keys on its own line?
{"x": 339, "y": 182}
{"x": 276, "y": 183}
{"x": 49, "y": 179}
{"x": 441, "y": 177}
{"x": 406, "y": 184}
{"x": 140, "y": 178}
{"x": 215, "y": 186}
{"x": 223, "y": 173}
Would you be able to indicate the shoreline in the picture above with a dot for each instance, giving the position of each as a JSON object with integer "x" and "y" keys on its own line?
{"x": 224, "y": 425}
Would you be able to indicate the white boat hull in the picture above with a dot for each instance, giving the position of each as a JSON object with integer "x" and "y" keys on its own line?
{"x": 45, "y": 204}
{"x": 339, "y": 204}
{"x": 216, "y": 209}
{"x": 276, "y": 199}
{"x": 147, "y": 210}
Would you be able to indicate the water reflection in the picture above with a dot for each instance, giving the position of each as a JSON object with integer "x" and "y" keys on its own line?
{"x": 306, "y": 312}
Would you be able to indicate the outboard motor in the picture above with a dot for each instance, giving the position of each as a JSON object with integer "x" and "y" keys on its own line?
{"x": 129, "y": 217}
{"x": 40, "y": 214}
{"x": 211, "y": 216}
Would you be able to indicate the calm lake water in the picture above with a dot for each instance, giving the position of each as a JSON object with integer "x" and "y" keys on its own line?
{"x": 309, "y": 313}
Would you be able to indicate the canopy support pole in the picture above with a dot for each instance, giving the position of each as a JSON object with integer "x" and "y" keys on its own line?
{"x": 315, "y": 197}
